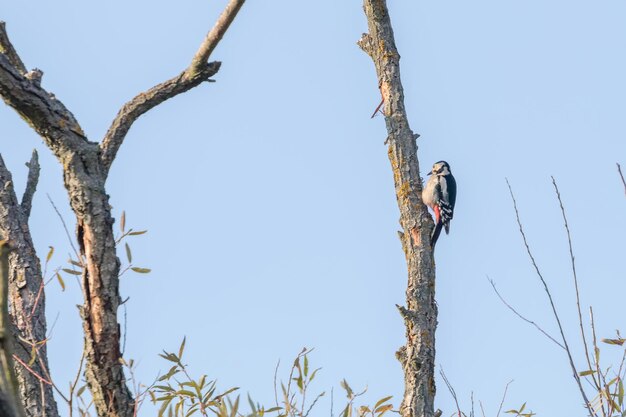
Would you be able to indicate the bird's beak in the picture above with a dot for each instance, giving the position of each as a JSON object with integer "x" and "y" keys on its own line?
{"x": 430, "y": 173}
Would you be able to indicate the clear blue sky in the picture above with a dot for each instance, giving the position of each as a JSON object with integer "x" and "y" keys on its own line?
{"x": 269, "y": 197}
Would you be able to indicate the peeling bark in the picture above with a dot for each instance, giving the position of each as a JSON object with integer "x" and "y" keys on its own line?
{"x": 420, "y": 314}
{"x": 26, "y": 295}
{"x": 85, "y": 169}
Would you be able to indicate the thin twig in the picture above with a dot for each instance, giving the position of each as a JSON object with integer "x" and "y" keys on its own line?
{"x": 482, "y": 410}
{"x": 506, "y": 388}
{"x": 493, "y": 285}
{"x": 619, "y": 169}
{"x": 29, "y": 369}
{"x": 451, "y": 389}
{"x": 67, "y": 232}
{"x": 554, "y": 311}
{"x": 573, "y": 263}
{"x": 596, "y": 350}
{"x": 275, "y": 382}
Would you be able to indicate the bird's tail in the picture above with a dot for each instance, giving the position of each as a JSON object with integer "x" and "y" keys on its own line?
{"x": 447, "y": 227}
{"x": 436, "y": 233}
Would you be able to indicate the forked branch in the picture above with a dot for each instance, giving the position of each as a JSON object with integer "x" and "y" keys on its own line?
{"x": 198, "y": 71}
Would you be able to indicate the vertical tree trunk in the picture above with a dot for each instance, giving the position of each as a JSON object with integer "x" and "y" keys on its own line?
{"x": 84, "y": 180}
{"x": 27, "y": 298}
{"x": 420, "y": 314}
{"x": 9, "y": 404}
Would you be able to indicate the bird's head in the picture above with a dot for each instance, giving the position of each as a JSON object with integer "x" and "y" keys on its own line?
{"x": 440, "y": 168}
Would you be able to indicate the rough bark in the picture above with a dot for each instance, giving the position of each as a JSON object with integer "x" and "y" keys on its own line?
{"x": 9, "y": 405}
{"x": 85, "y": 168}
{"x": 420, "y": 314}
{"x": 27, "y": 298}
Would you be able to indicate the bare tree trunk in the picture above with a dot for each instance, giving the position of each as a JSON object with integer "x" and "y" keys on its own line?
{"x": 85, "y": 168}
{"x": 9, "y": 404}
{"x": 420, "y": 315}
{"x": 27, "y": 298}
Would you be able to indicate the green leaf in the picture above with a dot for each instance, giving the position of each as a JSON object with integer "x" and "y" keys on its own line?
{"x": 81, "y": 390}
{"x": 50, "y": 253}
{"x": 383, "y": 409}
{"x": 173, "y": 371}
{"x": 251, "y": 403}
{"x": 182, "y": 347}
{"x": 33, "y": 355}
{"x": 73, "y": 262}
{"x": 620, "y": 392}
{"x": 186, "y": 392}
{"x": 345, "y": 386}
{"x": 522, "y": 408}
{"x": 129, "y": 255}
{"x": 306, "y": 365}
{"x": 313, "y": 374}
{"x": 618, "y": 342}
{"x": 72, "y": 271}
{"x": 225, "y": 393}
{"x": 61, "y": 282}
{"x": 123, "y": 221}
{"x": 141, "y": 270}
{"x": 137, "y": 233}
{"x": 164, "y": 406}
{"x": 165, "y": 388}
{"x": 383, "y": 400}
{"x": 587, "y": 372}
{"x": 235, "y": 407}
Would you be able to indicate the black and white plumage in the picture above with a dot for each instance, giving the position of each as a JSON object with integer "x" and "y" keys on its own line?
{"x": 440, "y": 195}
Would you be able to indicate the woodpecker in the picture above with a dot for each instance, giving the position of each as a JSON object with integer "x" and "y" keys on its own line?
{"x": 440, "y": 195}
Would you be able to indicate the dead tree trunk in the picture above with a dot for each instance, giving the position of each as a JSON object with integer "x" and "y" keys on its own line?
{"x": 26, "y": 295}
{"x": 85, "y": 169}
{"x": 420, "y": 314}
{"x": 9, "y": 404}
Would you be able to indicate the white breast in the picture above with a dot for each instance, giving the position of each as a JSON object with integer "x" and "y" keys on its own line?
{"x": 429, "y": 193}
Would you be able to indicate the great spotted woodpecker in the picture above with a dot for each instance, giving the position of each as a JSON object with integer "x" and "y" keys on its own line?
{"x": 440, "y": 195}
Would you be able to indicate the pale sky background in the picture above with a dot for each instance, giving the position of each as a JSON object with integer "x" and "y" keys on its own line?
{"x": 269, "y": 197}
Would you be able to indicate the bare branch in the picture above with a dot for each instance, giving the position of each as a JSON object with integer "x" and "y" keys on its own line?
{"x": 67, "y": 232}
{"x": 451, "y": 389}
{"x": 619, "y": 169}
{"x": 6, "y": 47}
{"x": 554, "y": 312}
{"x": 573, "y": 263}
{"x": 199, "y": 70}
{"x": 493, "y": 285}
{"x": 49, "y": 117}
{"x": 506, "y": 388}
{"x": 211, "y": 40}
{"x": 31, "y": 184}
